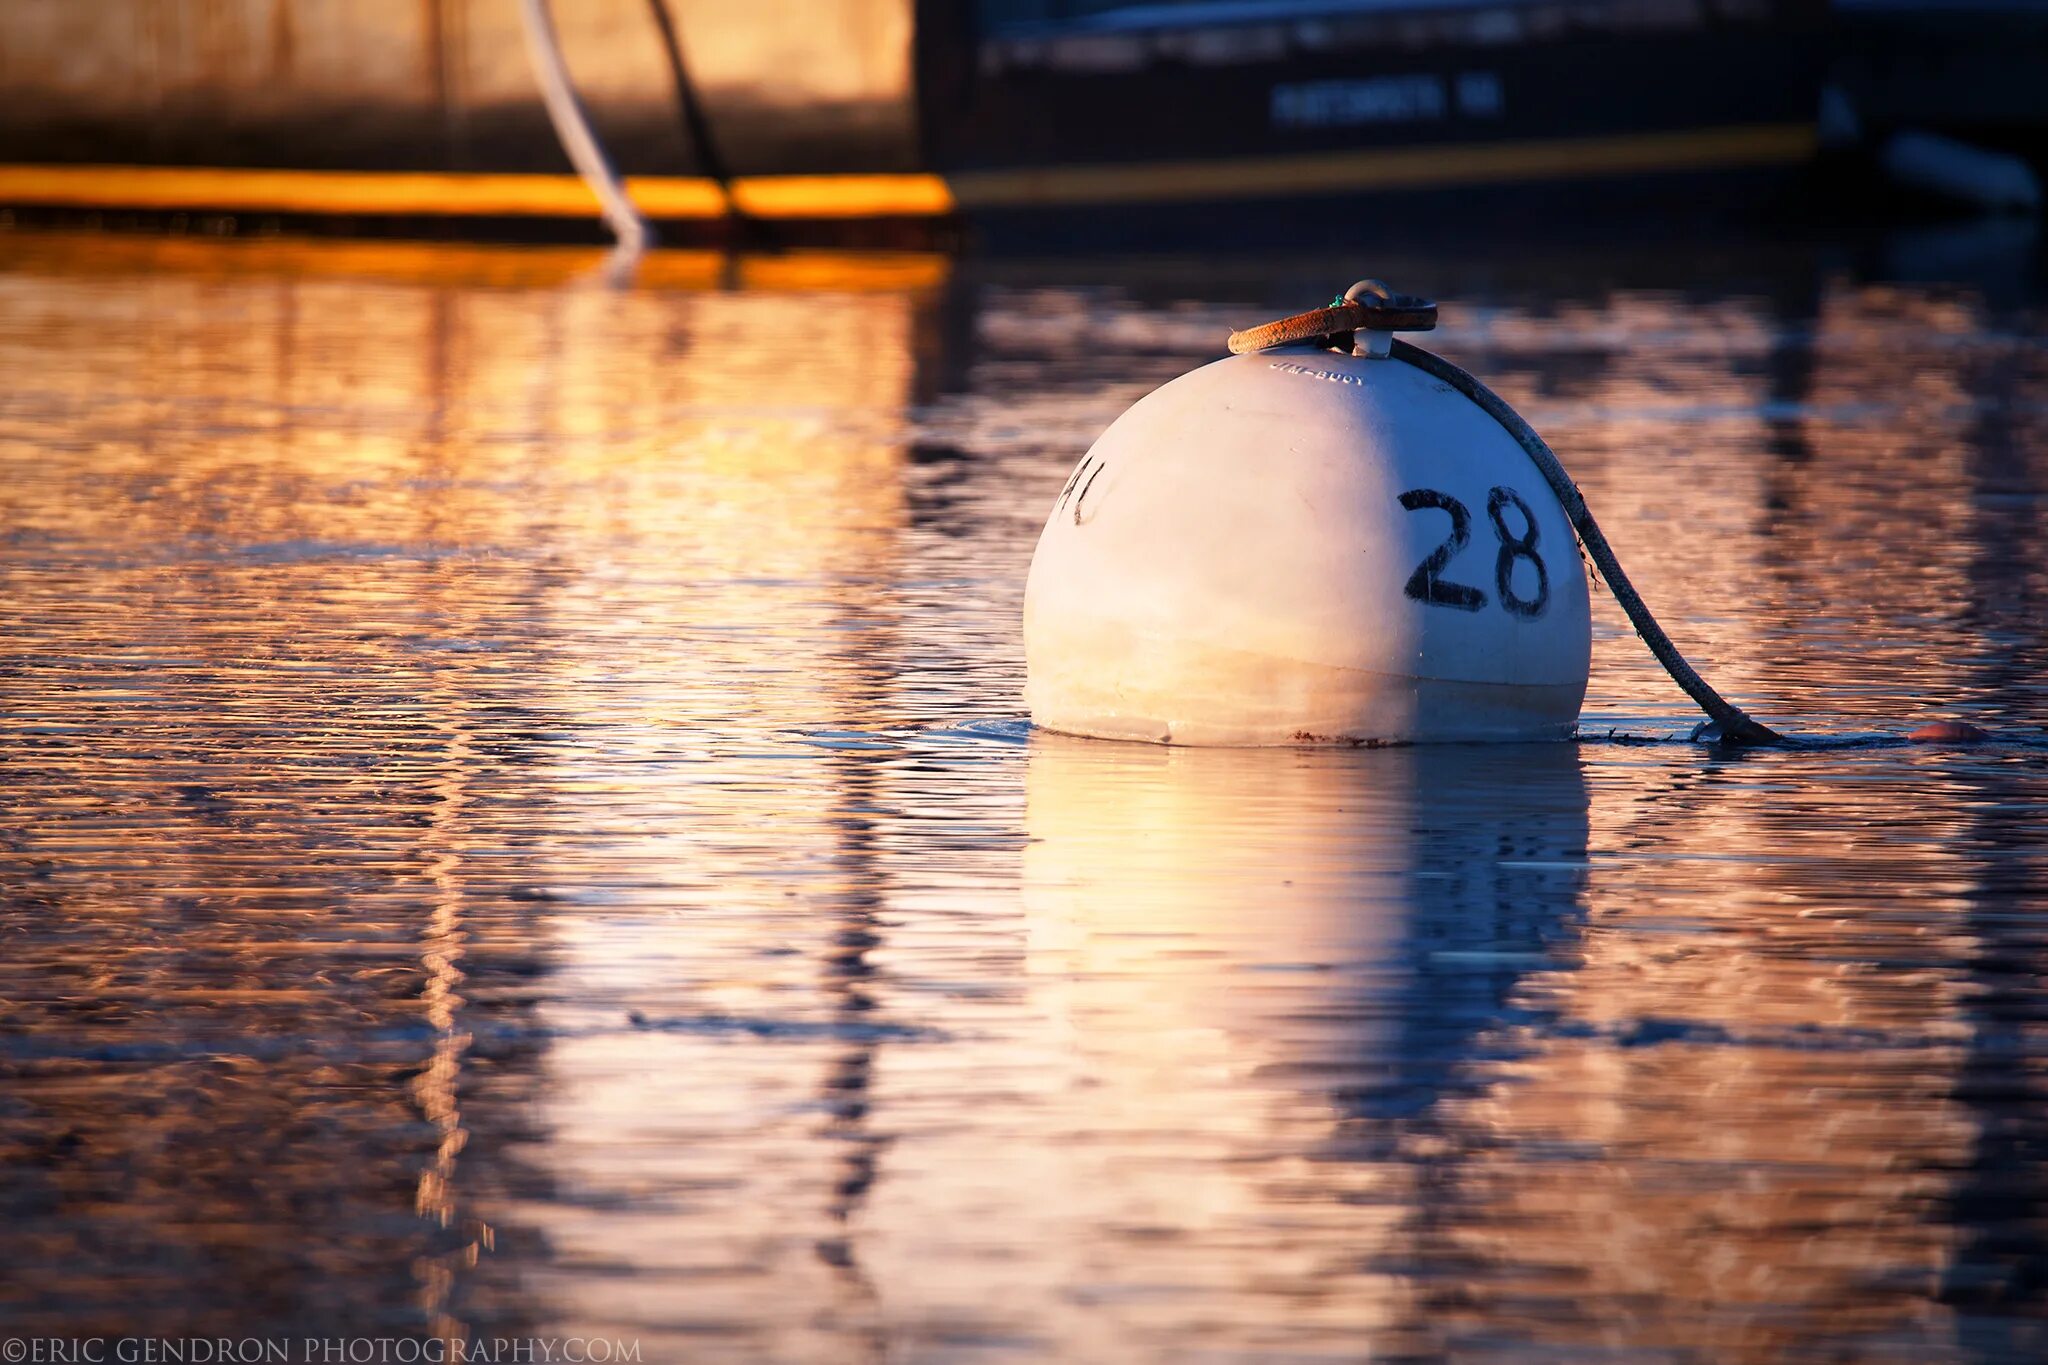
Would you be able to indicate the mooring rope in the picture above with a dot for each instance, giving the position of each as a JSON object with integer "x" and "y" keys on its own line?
{"x": 697, "y": 134}
{"x": 1368, "y": 305}
{"x": 1371, "y": 306}
{"x": 572, "y": 127}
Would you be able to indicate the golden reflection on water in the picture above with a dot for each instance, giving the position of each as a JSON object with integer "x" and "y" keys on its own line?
{"x": 517, "y": 820}
{"x": 1327, "y": 965}
{"x": 1754, "y": 1085}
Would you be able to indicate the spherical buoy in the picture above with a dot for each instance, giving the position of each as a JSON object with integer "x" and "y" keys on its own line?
{"x": 1303, "y": 545}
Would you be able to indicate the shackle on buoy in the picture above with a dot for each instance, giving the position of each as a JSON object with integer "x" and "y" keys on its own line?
{"x": 1371, "y": 306}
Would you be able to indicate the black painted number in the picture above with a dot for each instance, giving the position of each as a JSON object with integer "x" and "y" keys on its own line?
{"x": 1427, "y": 583}
{"x": 1513, "y": 548}
{"x": 1083, "y": 479}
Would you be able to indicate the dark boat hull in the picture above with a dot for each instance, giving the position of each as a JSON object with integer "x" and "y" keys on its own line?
{"x": 1409, "y": 79}
{"x": 949, "y": 112}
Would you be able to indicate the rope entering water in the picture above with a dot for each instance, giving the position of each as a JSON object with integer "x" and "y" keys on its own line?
{"x": 1371, "y": 306}
{"x": 1737, "y": 727}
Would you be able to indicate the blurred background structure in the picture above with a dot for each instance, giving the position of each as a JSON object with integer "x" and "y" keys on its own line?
{"x": 515, "y": 812}
{"x": 909, "y": 116}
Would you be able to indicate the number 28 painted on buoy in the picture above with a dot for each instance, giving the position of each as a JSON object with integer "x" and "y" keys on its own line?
{"x": 1427, "y": 583}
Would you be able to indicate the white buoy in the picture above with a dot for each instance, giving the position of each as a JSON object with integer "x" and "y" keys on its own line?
{"x": 1300, "y": 545}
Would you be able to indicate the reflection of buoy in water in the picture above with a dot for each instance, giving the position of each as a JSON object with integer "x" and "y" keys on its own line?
{"x": 1401, "y": 895}
{"x": 1298, "y": 545}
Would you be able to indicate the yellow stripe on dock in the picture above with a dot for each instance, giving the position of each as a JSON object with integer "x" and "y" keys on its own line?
{"x": 836, "y": 196}
{"x": 324, "y": 192}
{"x": 786, "y": 197}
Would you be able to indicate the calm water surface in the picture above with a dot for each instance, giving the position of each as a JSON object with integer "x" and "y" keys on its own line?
{"x": 518, "y": 821}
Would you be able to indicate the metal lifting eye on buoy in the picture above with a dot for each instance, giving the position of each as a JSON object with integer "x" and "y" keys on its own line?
{"x": 1367, "y": 306}
{"x": 1303, "y": 543}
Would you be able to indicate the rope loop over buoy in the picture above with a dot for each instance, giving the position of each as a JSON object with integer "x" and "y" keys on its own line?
{"x": 1370, "y": 306}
